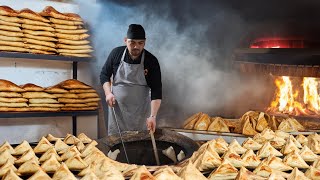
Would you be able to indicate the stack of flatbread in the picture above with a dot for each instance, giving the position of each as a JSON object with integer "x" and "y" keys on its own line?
{"x": 72, "y": 36}
{"x": 11, "y": 98}
{"x": 39, "y": 36}
{"x": 11, "y": 36}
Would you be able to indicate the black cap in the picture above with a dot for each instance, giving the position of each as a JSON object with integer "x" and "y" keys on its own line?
{"x": 136, "y": 31}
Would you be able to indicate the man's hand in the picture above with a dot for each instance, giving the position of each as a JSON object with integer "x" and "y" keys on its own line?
{"x": 151, "y": 123}
{"x": 110, "y": 99}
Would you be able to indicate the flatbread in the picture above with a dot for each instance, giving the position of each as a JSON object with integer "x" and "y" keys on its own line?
{"x": 79, "y": 51}
{"x": 39, "y": 33}
{"x": 77, "y": 101}
{"x": 11, "y": 109}
{"x": 27, "y": 13}
{"x": 55, "y": 89}
{"x": 67, "y": 27}
{"x": 47, "y": 105}
{"x": 41, "y": 38}
{"x": 36, "y": 51}
{"x": 10, "y": 38}
{"x": 10, "y": 28}
{"x": 8, "y": 11}
{"x": 77, "y": 31}
{"x": 31, "y": 87}
{"x": 74, "y": 37}
{"x": 2, "y": 22}
{"x": 37, "y": 27}
{"x": 37, "y": 42}
{"x": 66, "y": 95}
{"x": 10, "y": 94}
{"x": 76, "y": 105}
{"x": 44, "y": 109}
{"x": 36, "y": 23}
{"x": 6, "y": 85}
{"x": 65, "y": 22}
{"x": 37, "y": 95}
{"x": 50, "y": 11}
{"x": 88, "y": 95}
{"x": 39, "y": 47}
{"x": 74, "y": 84}
{"x": 71, "y": 42}
{"x": 11, "y": 33}
{"x": 64, "y": 46}
{"x": 82, "y": 91}
{"x": 75, "y": 55}
{"x": 11, "y": 19}
{"x": 13, "y": 100}
{"x": 43, "y": 101}
{"x": 12, "y": 43}
{"x": 92, "y": 104}
{"x": 22, "y": 104}
{"x": 78, "y": 109}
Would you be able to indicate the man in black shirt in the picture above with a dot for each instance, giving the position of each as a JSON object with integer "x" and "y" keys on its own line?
{"x": 133, "y": 72}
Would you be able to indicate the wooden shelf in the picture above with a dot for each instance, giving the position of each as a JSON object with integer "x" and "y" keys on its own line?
{"x": 46, "y": 114}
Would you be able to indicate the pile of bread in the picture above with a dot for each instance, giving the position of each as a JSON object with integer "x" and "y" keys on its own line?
{"x": 69, "y": 95}
{"x": 268, "y": 155}
{"x": 47, "y": 32}
{"x": 251, "y": 123}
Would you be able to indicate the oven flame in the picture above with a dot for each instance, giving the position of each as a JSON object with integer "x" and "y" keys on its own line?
{"x": 288, "y": 100}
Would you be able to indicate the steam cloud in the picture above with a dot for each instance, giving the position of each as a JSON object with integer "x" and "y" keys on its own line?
{"x": 194, "y": 49}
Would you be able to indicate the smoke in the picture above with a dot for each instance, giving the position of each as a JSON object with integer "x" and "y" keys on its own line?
{"x": 194, "y": 45}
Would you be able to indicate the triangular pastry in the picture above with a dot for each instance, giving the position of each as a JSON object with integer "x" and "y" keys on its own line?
{"x": 207, "y": 161}
{"x": 312, "y": 173}
{"x": 203, "y": 122}
{"x": 233, "y": 158}
{"x": 268, "y": 134}
{"x": 90, "y": 176}
{"x": 190, "y": 172}
{"x": 142, "y": 173}
{"x": 307, "y": 155}
{"x": 302, "y": 139}
{"x": 6, "y": 167}
{"x": 248, "y": 128}
{"x": 222, "y": 141}
{"x": 296, "y": 124}
{"x": 218, "y": 125}
{"x": 90, "y": 168}
{"x": 80, "y": 146}
{"x": 131, "y": 170}
{"x": 29, "y": 167}
{"x": 237, "y": 147}
{"x": 273, "y": 123}
{"x": 289, "y": 147}
{"x": 314, "y": 143}
{"x": 297, "y": 175}
{"x": 11, "y": 175}
{"x": 47, "y": 155}
{"x": 71, "y": 139}
{"x": 277, "y": 164}
{"x": 6, "y": 156}
{"x": 51, "y": 165}
{"x": 295, "y": 160}
{"x": 26, "y": 156}
{"x": 259, "y": 139}
{"x": 111, "y": 172}
{"x": 59, "y": 145}
{"x": 169, "y": 152}
{"x": 265, "y": 171}
{"x": 22, "y": 148}
{"x": 42, "y": 146}
{"x": 76, "y": 163}
{"x": 5, "y": 146}
{"x": 225, "y": 171}
{"x": 191, "y": 121}
{"x": 63, "y": 173}
{"x": 282, "y": 134}
{"x": 277, "y": 142}
{"x": 51, "y": 138}
{"x": 295, "y": 141}
{"x": 166, "y": 174}
{"x": 250, "y": 159}
{"x": 245, "y": 174}
{"x": 70, "y": 153}
{"x": 262, "y": 122}
{"x": 94, "y": 156}
{"x": 316, "y": 163}
{"x": 40, "y": 174}
{"x": 249, "y": 143}
{"x": 89, "y": 147}
{"x": 275, "y": 176}
{"x": 267, "y": 150}
{"x": 220, "y": 146}
{"x": 84, "y": 138}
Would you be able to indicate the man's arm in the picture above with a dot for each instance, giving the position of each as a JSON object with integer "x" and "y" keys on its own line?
{"x": 151, "y": 121}
{"x": 109, "y": 96}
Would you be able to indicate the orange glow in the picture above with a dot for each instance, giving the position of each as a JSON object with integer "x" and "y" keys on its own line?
{"x": 286, "y": 99}
{"x": 278, "y": 42}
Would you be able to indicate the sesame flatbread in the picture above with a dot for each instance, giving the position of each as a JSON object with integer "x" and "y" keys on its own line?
{"x": 10, "y": 94}
{"x": 6, "y": 85}
{"x": 10, "y": 28}
{"x": 75, "y": 51}
{"x": 88, "y": 95}
{"x": 13, "y": 100}
{"x": 67, "y": 27}
{"x": 76, "y": 55}
{"x": 71, "y": 42}
{"x": 77, "y": 101}
{"x": 77, "y": 31}
{"x": 2, "y": 22}
{"x": 22, "y": 104}
{"x": 11, "y": 19}
{"x": 40, "y": 38}
{"x": 73, "y": 37}
{"x": 10, "y": 38}
{"x": 65, "y": 22}
{"x": 76, "y": 105}
{"x": 78, "y": 109}
{"x": 39, "y": 33}
{"x": 36, "y": 27}
{"x": 37, "y": 95}
{"x": 8, "y": 11}
{"x": 36, "y": 51}
{"x": 12, "y": 43}
{"x": 47, "y": 105}
{"x": 11, "y": 33}
{"x": 82, "y": 90}
{"x": 43, "y": 101}
{"x": 27, "y": 13}
{"x": 38, "y": 42}
{"x": 39, "y": 47}
{"x": 12, "y": 48}
{"x": 75, "y": 47}
{"x": 33, "y": 22}
{"x": 32, "y": 87}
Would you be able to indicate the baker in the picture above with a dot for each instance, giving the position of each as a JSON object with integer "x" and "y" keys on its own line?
{"x": 131, "y": 79}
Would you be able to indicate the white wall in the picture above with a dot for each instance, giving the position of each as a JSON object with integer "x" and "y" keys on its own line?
{"x": 43, "y": 73}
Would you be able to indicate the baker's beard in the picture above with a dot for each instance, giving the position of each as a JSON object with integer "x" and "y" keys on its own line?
{"x": 135, "y": 52}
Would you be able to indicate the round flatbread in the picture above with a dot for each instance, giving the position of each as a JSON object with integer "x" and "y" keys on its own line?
{"x": 39, "y": 47}
{"x": 80, "y": 51}
{"x": 11, "y": 19}
{"x": 41, "y": 38}
{"x": 68, "y": 27}
{"x": 37, "y": 27}
{"x": 10, "y": 28}
{"x": 71, "y": 42}
{"x": 74, "y": 37}
{"x": 75, "y": 55}
{"x": 65, "y": 22}
{"x": 77, "y": 31}
{"x": 27, "y": 13}
{"x": 42, "y": 43}
{"x": 12, "y": 48}
{"x": 10, "y": 38}
{"x": 8, "y": 11}
{"x": 64, "y": 46}
{"x": 10, "y": 33}
{"x": 33, "y": 22}
{"x": 39, "y": 33}
{"x": 12, "y": 43}
{"x": 2, "y": 22}
{"x": 36, "y": 51}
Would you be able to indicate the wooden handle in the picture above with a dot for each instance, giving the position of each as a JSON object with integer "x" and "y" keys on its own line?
{"x": 155, "y": 150}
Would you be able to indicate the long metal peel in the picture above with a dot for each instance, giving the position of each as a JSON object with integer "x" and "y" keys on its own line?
{"x": 155, "y": 150}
